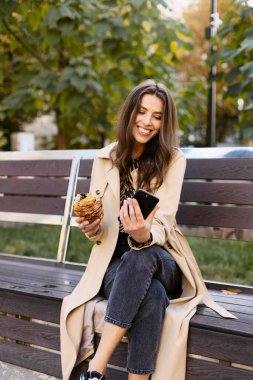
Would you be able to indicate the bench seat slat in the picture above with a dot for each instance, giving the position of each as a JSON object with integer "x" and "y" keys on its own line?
{"x": 216, "y": 323}
{"x": 35, "y": 286}
{"x": 40, "y": 273}
{"x": 66, "y": 285}
{"x": 206, "y": 370}
{"x": 215, "y": 216}
{"x": 30, "y": 306}
{"x": 238, "y": 299}
{"x": 220, "y": 345}
{"x": 29, "y": 357}
{"x": 60, "y": 168}
{"x": 33, "y": 205}
{"x": 238, "y": 193}
{"x": 30, "y": 332}
{"x": 248, "y": 310}
{"x": 243, "y": 318}
{"x": 221, "y": 168}
{"x": 34, "y": 186}
{"x": 27, "y": 289}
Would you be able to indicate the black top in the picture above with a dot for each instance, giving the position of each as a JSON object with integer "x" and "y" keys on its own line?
{"x": 126, "y": 191}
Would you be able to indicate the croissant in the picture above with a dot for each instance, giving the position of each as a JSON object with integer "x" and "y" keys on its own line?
{"x": 88, "y": 206}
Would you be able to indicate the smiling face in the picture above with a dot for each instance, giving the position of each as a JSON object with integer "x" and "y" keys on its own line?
{"x": 148, "y": 122}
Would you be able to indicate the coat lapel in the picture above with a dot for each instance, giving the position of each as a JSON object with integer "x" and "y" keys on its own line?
{"x": 112, "y": 177}
{"x": 111, "y": 172}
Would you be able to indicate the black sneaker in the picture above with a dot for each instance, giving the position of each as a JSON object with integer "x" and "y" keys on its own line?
{"x": 92, "y": 375}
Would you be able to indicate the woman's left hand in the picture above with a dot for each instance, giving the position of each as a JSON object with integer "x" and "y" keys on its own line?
{"x": 133, "y": 222}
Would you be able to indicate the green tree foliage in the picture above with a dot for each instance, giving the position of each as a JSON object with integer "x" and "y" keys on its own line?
{"x": 79, "y": 58}
{"x": 234, "y": 58}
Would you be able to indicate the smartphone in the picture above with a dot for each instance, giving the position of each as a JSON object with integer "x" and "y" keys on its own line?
{"x": 147, "y": 201}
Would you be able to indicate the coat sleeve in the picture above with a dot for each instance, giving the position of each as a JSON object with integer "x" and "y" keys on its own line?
{"x": 169, "y": 195}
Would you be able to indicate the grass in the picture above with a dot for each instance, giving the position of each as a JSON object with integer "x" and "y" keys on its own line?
{"x": 219, "y": 260}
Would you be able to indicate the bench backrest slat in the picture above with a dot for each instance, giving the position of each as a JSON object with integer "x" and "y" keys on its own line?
{"x": 215, "y": 216}
{"x": 57, "y": 168}
{"x": 32, "y": 205}
{"x": 213, "y": 192}
{"x": 85, "y": 168}
{"x": 83, "y": 186}
{"x": 34, "y": 186}
{"x": 221, "y": 168}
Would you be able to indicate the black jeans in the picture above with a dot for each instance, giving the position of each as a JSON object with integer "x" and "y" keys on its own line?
{"x": 138, "y": 287}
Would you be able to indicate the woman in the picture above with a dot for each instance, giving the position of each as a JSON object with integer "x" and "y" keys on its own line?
{"x": 140, "y": 265}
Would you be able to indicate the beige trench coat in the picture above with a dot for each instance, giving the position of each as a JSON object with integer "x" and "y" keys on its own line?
{"x": 171, "y": 359}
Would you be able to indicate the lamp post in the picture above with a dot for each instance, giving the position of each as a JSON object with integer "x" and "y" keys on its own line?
{"x": 211, "y": 107}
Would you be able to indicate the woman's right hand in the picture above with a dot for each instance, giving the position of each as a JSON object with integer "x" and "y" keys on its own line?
{"x": 89, "y": 229}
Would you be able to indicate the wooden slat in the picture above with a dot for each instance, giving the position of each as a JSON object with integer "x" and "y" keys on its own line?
{"x": 37, "y": 283}
{"x": 85, "y": 168}
{"x": 244, "y": 321}
{"x": 42, "y": 168}
{"x": 234, "y": 193}
{"x": 35, "y": 287}
{"x": 30, "y": 306}
{"x": 216, "y": 323}
{"x": 221, "y": 168}
{"x": 206, "y": 370}
{"x": 32, "y": 205}
{"x": 30, "y": 332}
{"x": 39, "y": 279}
{"x": 220, "y": 346}
{"x": 83, "y": 186}
{"x": 34, "y": 186}
{"x": 235, "y": 308}
{"x": 32, "y": 358}
{"x": 214, "y": 286}
{"x": 215, "y": 216}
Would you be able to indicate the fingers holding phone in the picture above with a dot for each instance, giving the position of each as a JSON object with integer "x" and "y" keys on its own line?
{"x": 137, "y": 213}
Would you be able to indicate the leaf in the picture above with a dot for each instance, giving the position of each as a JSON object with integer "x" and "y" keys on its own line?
{"x": 53, "y": 37}
{"x": 81, "y": 70}
{"x": 94, "y": 85}
{"x": 18, "y": 99}
{"x": 52, "y": 17}
{"x": 247, "y": 44}
{"x": 137, "y": 3}
{"x": 66, "y": 11}
{"x": 101, "y": 27}
{"x": 147, "y": 26}
{"x": 66, "y": 26}
{"x": 247, "y": 69}
{"x": 44, "y": 80}
{"x": 173, "y": 46}
{"x": 78, "y": 83}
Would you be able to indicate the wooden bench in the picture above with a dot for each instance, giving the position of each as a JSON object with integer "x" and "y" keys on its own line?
{"x": 39, "y": 187}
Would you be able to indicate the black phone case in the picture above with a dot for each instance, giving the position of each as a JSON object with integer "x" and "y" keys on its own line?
{"x": 146, "y": 201}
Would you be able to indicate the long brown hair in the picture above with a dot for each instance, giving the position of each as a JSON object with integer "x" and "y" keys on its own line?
{"x": 158, "y": 152}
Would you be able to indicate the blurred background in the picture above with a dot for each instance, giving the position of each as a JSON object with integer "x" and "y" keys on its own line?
{"x": 66, "y": 67}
